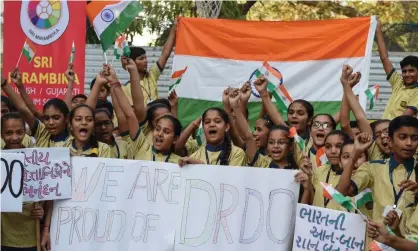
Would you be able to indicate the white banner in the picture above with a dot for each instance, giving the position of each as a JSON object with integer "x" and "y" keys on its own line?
{"x": 47, "y": 173}
{"x": 142, "y": 205}
{"x": 325, "y": 229}
{"x": 11, "y": 182}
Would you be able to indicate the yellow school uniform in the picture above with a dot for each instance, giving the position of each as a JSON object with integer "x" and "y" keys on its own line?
{"x": 26, "y": 142}
{"x": 263, "y": 161}
{"x": 402, "y": 96}
{"x": 44, "y": 138}
{"x": 412, "y": 226}
{"x": 331, "y": 176}
{"x": 376, "y": 175}
{"x": 374, "y": 153}
{"x": 149, "y": 85}
{"x": 119, "y": 149}
{"x": 210, "y": 155}
{"x": 102, "y": 151}
{"x": 141, "y": 149}
{"x": 18, "y": 230}
{"x": 309, "y": 150}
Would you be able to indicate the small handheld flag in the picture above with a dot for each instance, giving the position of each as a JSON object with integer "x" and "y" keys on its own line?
{"x": 29, "y": 50}
{"x": 176, "y": 79}
{"x": 372, "y": 94}
{"x": 299, "y": 141}
{"x": 121, "y": 47}
{"x": 332, "y": 194}
{"x": 72, "y": 55}
{"x": 321, "y": 157}
{"x": 364, "y": 197}
{"x": 200, "y": 136}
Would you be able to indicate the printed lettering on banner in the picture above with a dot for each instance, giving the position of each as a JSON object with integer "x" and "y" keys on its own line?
{"x": 11, "y": 175}
{"x": 47, "y": 173}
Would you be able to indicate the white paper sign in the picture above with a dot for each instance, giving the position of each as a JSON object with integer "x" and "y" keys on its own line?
{"x": 229, "y": 208}
{"x": 47, "y": 173}
{"x": 325, "y": 229}
{"x": 11, "y": 182}
{"x": 119, "y": 205}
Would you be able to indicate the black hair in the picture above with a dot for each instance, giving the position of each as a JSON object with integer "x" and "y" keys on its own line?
{"x": 290, "y": 157}
{"x": 351, "y": 142}
{"x": 374, "y": 124}
{"x": 79, "y": 96}
{"x": 104, "y": 104}
{"x": 136, "y": 51}
{"x": 340, "y": 133}
{"x": 6, "y": 100}
{"x": 163, "y": 101}
{"x": 151, "y": 109}
{"x": 11, "y": 115}
{"x": 308, "y": 106}
{"x": 409, "y": 60}
{"x": 104, "y": 110}
{"x": 402, "y": 121}
{"x": 268, "y": 123}
{"x": 57, "y": 104}
{"x": 333, "y": 123}
{"x": 92, "y": 140}
{"x": 413, "y": 108}
{"x": 227, "y": 144}
{"x": 176, "y": 123}
{"x": 353, "y": 124}
{"x": 94, "y": 81}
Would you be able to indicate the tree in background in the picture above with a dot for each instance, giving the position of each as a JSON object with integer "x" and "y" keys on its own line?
{"x": 400, "y": 19}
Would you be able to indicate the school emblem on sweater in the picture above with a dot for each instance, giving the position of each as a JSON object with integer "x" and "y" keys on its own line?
{"x": 44, "y": 21}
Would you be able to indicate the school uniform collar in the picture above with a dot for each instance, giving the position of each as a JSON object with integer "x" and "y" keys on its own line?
{"x": 305, "y": 135}
{"x": 408, "y": 164}
{"x": 313, "y": 150}
{"x": 63, "y": 136}
{"x": 414, "y": 85}
{"x": 85, "y": 147}
{"x": 262, "y": 151}
{"x": 274, "y": 165}
{"x": 113, "y": 143}
{"x": 337, "y": 170}
{"x": 160, "y": 152}
{"x": 212, "y": 148}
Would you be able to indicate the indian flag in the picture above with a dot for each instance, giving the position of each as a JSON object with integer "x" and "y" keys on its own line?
{"x": 372, "y": 93}
{"x": 303, "y": 60}
{"x": 111, "y": 18}
{"x": 321, "y": 157}
{"x": 176, "y": 78}
{"x": 72, "y": 55}
{"x": 332, "y": 194}
{"x": 200, "y": 135}
{"x": 29, "y": 50}
{"x": 363, "y": 197}
{"x": 299, "y": 141}
{"x": 121, "y": 47}
{"x": 377, "y": 246}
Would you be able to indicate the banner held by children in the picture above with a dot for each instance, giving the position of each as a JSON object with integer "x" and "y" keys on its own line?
{"x": 325, "y": 229}
{"x": 143, "y": 205}
{"x": 11, "y": 182}
{"x": 47, "y": 173}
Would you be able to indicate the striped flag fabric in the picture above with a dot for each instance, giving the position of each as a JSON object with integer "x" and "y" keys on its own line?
{"x": 332, "y": 194}
{"x": 29, "y": 50}
{"x": 176, "y": 78}
{"x": 364, "y": 197}
{"x": 308, "y": 68}
{"x": 200, "y": 136}
{"x": 121, "y": 47}
{"x": 321, "y": 157}
{"x": 299, "y": 141}
{"x": 72, "y": 55}
{"x": 111, "y": 18}
{"x": 372, "y": 94}
{"x": 377, "y": 246}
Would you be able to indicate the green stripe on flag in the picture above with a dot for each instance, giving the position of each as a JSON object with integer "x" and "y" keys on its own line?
{"x": 190, "y": 109}
{"x": 362, "y": 198}
{"x": 173, "y": 85}
{"x": 26, "y": 53}
{"x": 272, "y": 88}
{"x": 115, "y": 29}
{"x": 370, "y": 97}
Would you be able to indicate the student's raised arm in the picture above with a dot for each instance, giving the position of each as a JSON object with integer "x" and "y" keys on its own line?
{"x": 234, "y": 131}
{"x": 16, "y": 77}
{"x": 94, "y": 92}
{"x": 70, "y": 75}
{"x": 136, "y": 90}
{"x": 345, "y": 117}
{"x": 349, "y": 80}
{"x": 185, "y": 135}
{"x": 261, "y": 86}
{"x": 120, "y": 115}
{"x": 168, "y": 46}
{"x": 174, "y": 101}
{"x": 241, "y": 123}
{"x": 381, "y": 46}
{"x": 123, "y": 102}
{"x": 20, "y": 105}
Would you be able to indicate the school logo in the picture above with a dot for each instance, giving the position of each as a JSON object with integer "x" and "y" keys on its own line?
{"x": 266, "y": 74}
{"x": 44, "y": 21}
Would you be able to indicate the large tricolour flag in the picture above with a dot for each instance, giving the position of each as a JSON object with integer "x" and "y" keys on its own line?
{"x": 308, "y": 55}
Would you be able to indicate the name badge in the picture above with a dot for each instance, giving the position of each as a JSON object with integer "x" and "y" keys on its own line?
{"x": 390, "y": 208}
{"x": 404, "y": 104}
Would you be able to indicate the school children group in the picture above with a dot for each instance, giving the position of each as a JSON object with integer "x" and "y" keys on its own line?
{"x": 380, "y": 156}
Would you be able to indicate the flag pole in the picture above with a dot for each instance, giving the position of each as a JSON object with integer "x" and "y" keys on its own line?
{"x": 21, "y": 52}
{"x": 359, "y": 212}
{"x": 105, "y": 57}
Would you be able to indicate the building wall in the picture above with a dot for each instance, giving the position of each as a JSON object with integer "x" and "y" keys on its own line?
{"x": 95, "y": 59}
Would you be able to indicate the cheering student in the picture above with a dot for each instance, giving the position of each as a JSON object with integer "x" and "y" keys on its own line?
{"x": 404, "y": 88}
{"x": 18, "y": 230}
{"x": 149, "y": 78}
{"x": 165, "y": 133}
{"x": 392, "y": 181}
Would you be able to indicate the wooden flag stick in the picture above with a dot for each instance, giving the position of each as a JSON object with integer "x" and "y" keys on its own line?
{"x": 21, "y": 52}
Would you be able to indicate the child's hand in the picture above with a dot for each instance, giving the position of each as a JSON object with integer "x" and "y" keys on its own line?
{"x": 16, "y": 77}
{"x": 362, "y": 142}
{"x": 37, "y": 212}
{"x": 130, "y": 64}
{"x": 196, "y": 122}
{"x": 306, "y": 166}
{"x": 261, "y": 84}
{"x": 234, "y": 97}
{"x": 392, "y": 220}
{"x": 409, "y": 185}
{"x": 345, "y": 74}
{"x": 69, "y": 73}
{"x": 173, "y": 99}
{"x": 303, "y": 179}
{"x": 246, "y": 91}
{"x": 354, "y": 79}
{"x": 109, "y": 74}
